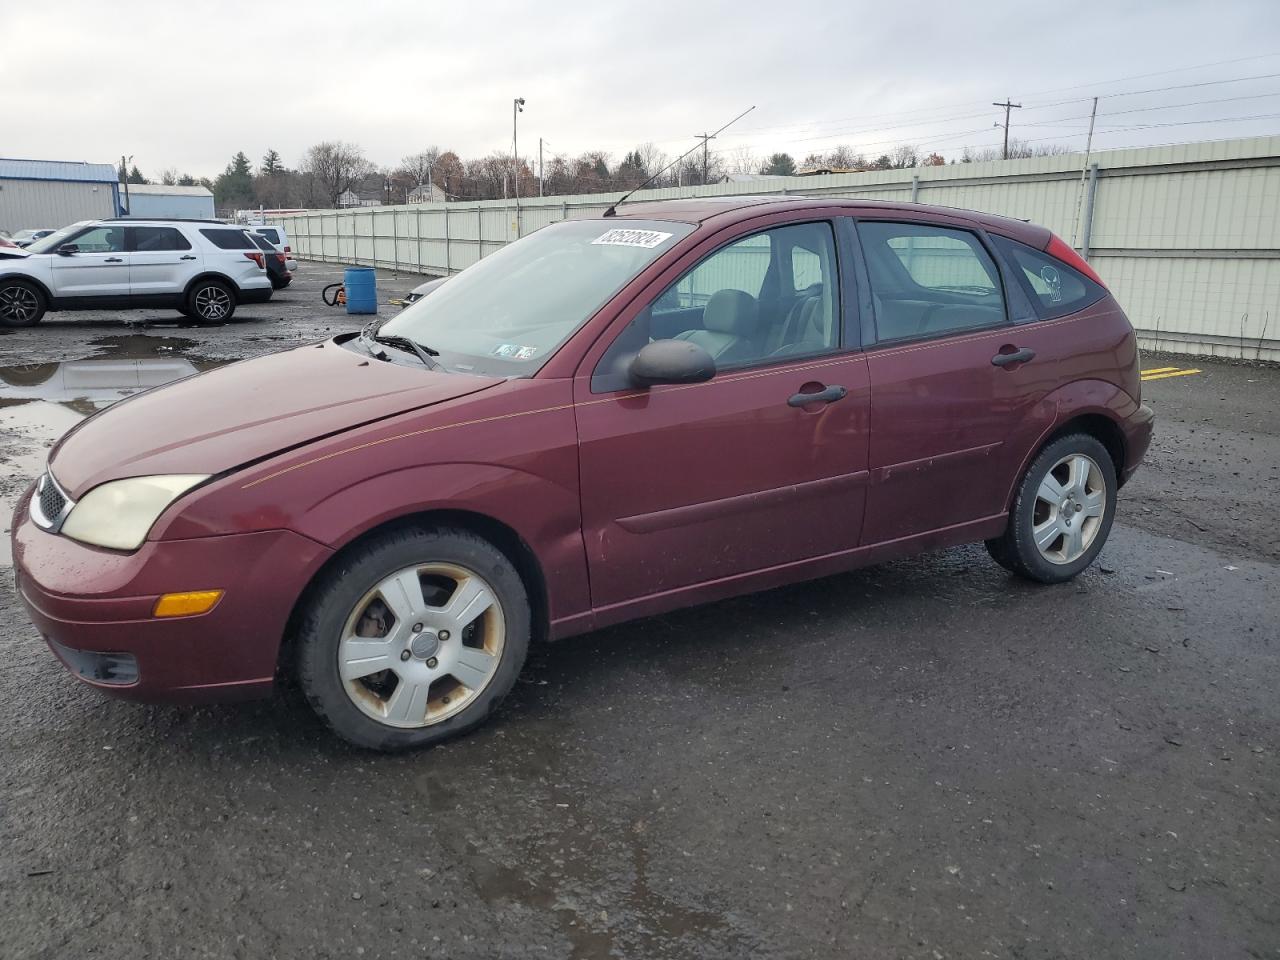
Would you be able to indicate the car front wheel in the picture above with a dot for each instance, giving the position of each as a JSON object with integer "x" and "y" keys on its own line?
{"x": 211, "y": 301}
{"x": 1062, "y": 512}
{"x": 413, "y": 637}
{"x": 21, "y": 304}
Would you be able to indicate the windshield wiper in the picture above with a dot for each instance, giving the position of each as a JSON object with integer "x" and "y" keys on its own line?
{"x": 395, "y": 340}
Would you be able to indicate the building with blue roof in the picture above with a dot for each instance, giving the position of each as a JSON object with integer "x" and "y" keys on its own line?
{"x": 38, "y": 194}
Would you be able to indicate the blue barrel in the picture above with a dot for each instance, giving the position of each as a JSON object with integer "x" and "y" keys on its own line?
{"x": 361, "y": 284}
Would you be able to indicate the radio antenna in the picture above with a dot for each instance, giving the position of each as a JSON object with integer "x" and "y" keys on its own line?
{"x": 613, "y": 207}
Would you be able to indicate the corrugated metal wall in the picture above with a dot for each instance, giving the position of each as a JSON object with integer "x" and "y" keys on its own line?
{"x": 33, "y": 204}
{"x": 1187, "y": 236}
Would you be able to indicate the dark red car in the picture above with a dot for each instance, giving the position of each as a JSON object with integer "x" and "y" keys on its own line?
{"x": 607, "y": 419}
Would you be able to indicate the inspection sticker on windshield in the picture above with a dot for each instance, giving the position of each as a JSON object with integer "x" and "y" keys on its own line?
{"x": 632, "y": 238}
{"x": 514, "y": 351}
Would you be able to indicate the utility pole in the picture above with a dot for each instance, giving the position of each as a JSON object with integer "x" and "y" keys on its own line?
{"x": 1004, "y": 154}
{"x": 705, "y": 137}
{"x": 539, "y": 166}
{"x": 1084, "y": 172}
{"x": 124, "y": 175}
{"x": 517, "y": 107}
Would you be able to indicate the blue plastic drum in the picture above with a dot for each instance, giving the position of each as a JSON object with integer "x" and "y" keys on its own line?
{"x": 361, "y": 284}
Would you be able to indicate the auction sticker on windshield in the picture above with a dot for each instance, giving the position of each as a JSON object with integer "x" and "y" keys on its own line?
{"x": 633, "y": 238}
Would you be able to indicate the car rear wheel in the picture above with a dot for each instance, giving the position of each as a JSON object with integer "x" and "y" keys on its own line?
{"x": 211, "y": 301}
{"x": 412, "y": 638}
{"x": 21, "y": 304}
{"x": 1062, "y": 513}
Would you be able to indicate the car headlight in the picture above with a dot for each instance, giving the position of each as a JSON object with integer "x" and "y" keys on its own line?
{"x": 119, "y": 514}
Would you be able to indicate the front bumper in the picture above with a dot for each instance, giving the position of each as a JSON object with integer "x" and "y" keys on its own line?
{"x": 87, "y": 603}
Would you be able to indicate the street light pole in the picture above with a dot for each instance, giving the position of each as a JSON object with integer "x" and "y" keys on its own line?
{"x": 517, "y": 108}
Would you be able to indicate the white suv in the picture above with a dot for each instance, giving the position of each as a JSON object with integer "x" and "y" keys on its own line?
{"x": 203, "y": 268}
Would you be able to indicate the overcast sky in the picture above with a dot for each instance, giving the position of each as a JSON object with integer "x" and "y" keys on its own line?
{"x": 186, "y": 84}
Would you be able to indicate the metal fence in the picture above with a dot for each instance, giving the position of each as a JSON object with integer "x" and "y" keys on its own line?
{"x": 1186, "y": 236}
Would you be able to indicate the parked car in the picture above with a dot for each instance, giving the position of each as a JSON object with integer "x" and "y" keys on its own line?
{"x": 7, "y": 244}
{"x": 607, "y": 419}
{"x": 203, "y": 268}
{"x": 421, "y": 290}
{"x": 24, "y": 238}
{"x": 277, "y": 270}
{"x": 279, "y": 238}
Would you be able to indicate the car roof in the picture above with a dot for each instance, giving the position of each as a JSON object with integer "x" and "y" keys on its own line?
{"x": 729, "y": 209}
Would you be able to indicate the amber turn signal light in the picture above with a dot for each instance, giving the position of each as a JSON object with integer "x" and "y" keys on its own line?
{"x": 187, "y": 604}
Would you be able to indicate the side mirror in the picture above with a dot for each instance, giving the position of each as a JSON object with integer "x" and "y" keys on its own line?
{"x": 67, "y": 249}
{"x": 671, "y": 361}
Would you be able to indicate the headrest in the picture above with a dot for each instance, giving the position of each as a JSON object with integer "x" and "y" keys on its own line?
{"x": 731, "y": 311}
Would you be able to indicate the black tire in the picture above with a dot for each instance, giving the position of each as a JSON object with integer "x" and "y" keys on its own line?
{"x": 343, "y": 589}
{"x": 210, "y": 301}
{"x": 1016, "y": 549}
{"x": 22, "y": 304}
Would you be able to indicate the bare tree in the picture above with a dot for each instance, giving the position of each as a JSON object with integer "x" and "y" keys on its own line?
{"x": 743, "y": 159}
{"x": 169, "y": 177}
{"x": 336, "y": 167}
{"x": 844, "y": 157}
{"x": 420, "y": 167}
{"x": 903, "y": 156}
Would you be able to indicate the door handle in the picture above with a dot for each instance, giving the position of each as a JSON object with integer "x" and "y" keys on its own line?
{"x": 187, "y": 257}
{"x": 827, "y": 395}
{"x": 113, "y": 260}
{"x": 1003, "y": 359}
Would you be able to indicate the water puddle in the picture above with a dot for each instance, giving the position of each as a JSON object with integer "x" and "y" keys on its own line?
{"x": 39, "y": 402}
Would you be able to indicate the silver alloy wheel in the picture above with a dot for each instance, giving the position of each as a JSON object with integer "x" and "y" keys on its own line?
{"x": 1069, "y": 508}
{"x": 18, "y": 304}
{"x": 212, "y": 303}
{"x": 422, "y": 645}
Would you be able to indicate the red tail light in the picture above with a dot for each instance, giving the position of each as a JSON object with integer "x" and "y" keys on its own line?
{"x": 1058, "y": 248}
{"x": 279, "y": 258}
{"x": 257, "y": 258}
{"x": 287, "y": 248}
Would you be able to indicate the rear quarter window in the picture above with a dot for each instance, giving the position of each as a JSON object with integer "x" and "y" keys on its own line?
{"x": 1055, "y": 288}
{"x": 272, "y": 235}
{"x": 229, "y": 239}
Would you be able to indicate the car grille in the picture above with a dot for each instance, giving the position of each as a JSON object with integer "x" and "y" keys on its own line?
{"x": 50, "y": 506}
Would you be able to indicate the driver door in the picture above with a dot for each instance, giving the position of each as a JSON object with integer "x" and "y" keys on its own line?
{"x": 690, "y": 484}
{"x": 99, "y": 267}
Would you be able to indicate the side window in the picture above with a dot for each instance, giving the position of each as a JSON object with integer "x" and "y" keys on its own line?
{"x": 152, "y": 239}
{"x": 272, "y": 235}
{"x": 928, "y": 281}
{"x": 100, "y": 240}
{"x": 229, "y": 239}
{"x": 1055, "y": 288}
{"x": 760, "y": 299}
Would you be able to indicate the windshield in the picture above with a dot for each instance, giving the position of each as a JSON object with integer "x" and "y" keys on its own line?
{"x": 507, "y": 314}
{"x": 54, "y": 240}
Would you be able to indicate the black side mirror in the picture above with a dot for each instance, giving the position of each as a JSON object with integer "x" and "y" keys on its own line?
{"x": 67, "y": 249}
{"x": 671, "y": 361}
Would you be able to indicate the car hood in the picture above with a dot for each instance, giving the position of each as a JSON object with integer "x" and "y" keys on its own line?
{"x": 238, "y": 414}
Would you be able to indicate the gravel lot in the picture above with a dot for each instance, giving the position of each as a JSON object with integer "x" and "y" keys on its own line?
{"x": 922, "y": 759}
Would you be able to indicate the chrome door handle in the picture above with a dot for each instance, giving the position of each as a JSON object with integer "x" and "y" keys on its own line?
{"x": 827, "y": 395}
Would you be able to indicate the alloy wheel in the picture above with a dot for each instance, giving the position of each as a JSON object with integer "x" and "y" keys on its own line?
{"x": 1069, "y": 509}
{"x": 421, "y": 645}
{"x": 19, "y": 305}
{"x": 212, "y": 303}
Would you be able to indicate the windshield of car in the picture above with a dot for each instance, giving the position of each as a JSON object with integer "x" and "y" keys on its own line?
{"x": 54, "y": 240}
{"x": 506, "y": 315}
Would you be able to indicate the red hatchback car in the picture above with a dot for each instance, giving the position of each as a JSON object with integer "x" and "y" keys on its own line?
{"x": 607, "y": 419}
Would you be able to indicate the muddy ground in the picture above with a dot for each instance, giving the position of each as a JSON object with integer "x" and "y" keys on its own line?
{"x": 923, "y": 759}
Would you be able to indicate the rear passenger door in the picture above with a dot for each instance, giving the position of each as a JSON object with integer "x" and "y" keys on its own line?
{"x": 958, "y": 371}
{"x": 161, "y": 261}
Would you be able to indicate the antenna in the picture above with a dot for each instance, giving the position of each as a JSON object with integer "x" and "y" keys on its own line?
{"x": 613, "y": 207}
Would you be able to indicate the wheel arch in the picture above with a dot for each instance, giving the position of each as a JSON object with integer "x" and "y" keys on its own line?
{"x": 210, "y": 275}
{"x": 49, "y": 298}
{"x": 502, "y": 536}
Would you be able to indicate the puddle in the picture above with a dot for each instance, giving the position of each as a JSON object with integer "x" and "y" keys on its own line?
{"x": 39, "y": 402}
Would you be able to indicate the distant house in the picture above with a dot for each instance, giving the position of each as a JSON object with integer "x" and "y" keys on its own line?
{"x": 360, "y": 198}
{"x": 427, "y": 193}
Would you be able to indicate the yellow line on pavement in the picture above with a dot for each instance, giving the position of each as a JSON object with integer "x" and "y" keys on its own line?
{"x": 1166, "y": 376}
{"x": 1158, "y": 370}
